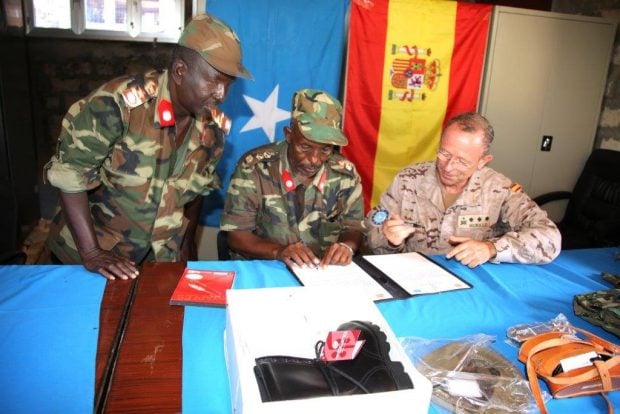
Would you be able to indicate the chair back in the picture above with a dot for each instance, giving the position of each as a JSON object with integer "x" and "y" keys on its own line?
{"x": 594, "y": 207}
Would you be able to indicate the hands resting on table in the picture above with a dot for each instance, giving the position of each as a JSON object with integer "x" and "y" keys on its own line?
{"x": 109, "y": 265}
{"x": 467, "y": 251}
{"x": 300, "y": 254}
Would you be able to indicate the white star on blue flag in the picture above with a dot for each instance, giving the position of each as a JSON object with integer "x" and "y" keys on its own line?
{"x": 266, "y": 114}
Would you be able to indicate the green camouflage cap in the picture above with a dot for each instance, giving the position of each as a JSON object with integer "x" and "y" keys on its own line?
{"x": 319, "y": 116}
{"x": 217, "y": 43}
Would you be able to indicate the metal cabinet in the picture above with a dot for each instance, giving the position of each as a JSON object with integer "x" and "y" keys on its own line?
{"x": 544, "y": 80}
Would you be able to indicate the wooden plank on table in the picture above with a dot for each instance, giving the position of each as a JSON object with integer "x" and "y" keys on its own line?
{"x": 147, "y": 375}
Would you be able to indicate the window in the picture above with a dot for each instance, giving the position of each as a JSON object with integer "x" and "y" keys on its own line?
{"x": 147, "y": 20}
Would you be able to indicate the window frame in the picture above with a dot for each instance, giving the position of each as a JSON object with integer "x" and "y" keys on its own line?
{"x": 132, "y": 32}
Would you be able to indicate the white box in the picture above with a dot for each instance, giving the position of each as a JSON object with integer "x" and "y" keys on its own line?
{"x": 289, "y": 321}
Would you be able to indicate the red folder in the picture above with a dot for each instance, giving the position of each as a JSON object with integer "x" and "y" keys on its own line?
{"x": 202, "y": 288}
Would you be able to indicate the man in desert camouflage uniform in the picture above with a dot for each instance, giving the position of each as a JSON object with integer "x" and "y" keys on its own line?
{"x": 298, "y": 200}
{"x": 136, "y": 156}
{"x": 459, "y": 207}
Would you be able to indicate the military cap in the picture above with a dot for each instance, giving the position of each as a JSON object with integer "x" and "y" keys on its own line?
{"x": 216, "y": 42}
{"x": 319, "y": 117}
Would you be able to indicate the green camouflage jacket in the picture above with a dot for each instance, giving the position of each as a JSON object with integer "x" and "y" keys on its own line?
{"x": 118, "y": 144}
{"x": 491, "y": 207}
{"x": 261, "y": 198}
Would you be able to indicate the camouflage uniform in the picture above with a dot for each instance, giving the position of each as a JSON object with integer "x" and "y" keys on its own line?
{"x": 261, "y": 199}
{"x": 490, "y": 207}
{"x": 602, "y": 308}
{"x": 118, "y": 144}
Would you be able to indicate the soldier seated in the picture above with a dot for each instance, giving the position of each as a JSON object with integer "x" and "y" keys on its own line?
{"x": 458, "y": 206}
{"x": 298, "y": 200}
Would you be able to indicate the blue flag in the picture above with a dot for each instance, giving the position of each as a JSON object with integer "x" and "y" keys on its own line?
{"x": 286, "y": 45}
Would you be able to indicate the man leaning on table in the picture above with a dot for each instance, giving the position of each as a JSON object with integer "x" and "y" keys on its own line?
{"x": 136, "y": 156}
{"x": 298, "y": 200}
{"x": 458, "y": 206}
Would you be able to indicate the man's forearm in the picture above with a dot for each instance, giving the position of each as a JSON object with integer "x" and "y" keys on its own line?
{"x": 76, "y": 210}
{"x": 250, "y": 245}
{"x": 351, "y": 238}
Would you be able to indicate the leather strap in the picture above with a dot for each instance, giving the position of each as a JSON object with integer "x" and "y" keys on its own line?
{"x": 600, "y": 368}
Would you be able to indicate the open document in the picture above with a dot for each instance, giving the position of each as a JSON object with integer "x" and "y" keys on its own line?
{"x": 349, "y": 275}
{"x": 416, "y": 273}
{"x": 386, "y": 276}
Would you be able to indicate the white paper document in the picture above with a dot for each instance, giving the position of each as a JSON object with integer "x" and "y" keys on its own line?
{"x": 349, "y": 275}
{"x": 416, "y": 273}
{"x": 394, "y": 275}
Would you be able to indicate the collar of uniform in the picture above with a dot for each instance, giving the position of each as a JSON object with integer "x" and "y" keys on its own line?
{"x": 433, "y": 187}
{"x": 286, "y": 173}
{"x": 163, "y": 100}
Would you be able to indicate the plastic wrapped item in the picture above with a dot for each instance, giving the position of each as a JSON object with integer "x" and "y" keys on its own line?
{"x": 521, "y": 332}
{"x": 468, "y": 376}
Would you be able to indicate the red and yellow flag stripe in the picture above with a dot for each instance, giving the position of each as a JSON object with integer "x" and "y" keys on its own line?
{"x": 411, "y": 65}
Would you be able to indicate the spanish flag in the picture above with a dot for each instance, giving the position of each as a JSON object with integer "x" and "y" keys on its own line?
{"x": 411, "y": 65}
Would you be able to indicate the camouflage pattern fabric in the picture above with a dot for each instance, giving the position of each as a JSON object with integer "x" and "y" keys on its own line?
{"x": 487, "y": 209}
{"x": 611, "y": 278}
{"x": 114, "y": 146}
{"x": 216, "y": 42}
{"x": 319, "y": 117}
{"x": 601, "y": 308}
{"x": 258, "y": 199}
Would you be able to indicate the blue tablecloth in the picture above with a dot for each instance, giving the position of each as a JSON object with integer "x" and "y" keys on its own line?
{"x": 502, "y": 295}
{"x": 49, "y": 327}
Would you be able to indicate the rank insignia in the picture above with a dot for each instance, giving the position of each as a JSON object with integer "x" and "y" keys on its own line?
{"x": 515, "y": 188}
{"x": 473, "y": 221}
{"x": 322, "y": 181}
{"x": 221, "y": 120}
{"x": 166, "y": 113}
{"x": 287, "y": 180}
{"x": 134, "y": 96}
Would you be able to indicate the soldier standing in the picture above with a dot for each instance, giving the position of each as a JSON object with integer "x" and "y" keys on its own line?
{"x": 136, "y": 156}
{"x": 297, "y": 200}
{"x": 458, "y": 206}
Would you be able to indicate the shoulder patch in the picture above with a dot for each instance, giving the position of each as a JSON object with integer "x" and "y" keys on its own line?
{"x": 135, "y": 95}
{"x": 516, "y": 188}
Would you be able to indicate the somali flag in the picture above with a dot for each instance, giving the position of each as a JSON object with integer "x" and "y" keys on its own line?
{"x": 286, "y": 45}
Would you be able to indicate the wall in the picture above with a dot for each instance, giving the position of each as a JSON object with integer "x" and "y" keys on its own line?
{"x": 608, "y": 134}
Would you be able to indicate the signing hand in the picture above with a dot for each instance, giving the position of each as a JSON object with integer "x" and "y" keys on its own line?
{"x": 109, "y": 264}
{"x": 471, "y": 252}
{"x": 299, "y": 254}
{"x": 337, "y": 254}
{"x": 396, "y": 230}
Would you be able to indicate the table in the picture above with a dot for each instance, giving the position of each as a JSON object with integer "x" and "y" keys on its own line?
{"x": 154, "y": 357}
{"x": 503, "y": 295}
{"x": 49, "y": 319}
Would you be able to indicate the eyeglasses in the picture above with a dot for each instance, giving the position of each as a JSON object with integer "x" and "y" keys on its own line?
{"x": 460, "y": 162}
